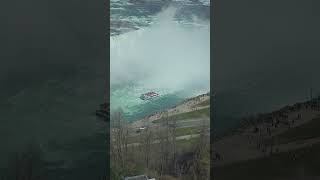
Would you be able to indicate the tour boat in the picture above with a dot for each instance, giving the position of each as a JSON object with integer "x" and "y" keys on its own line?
{"x": 149, "y": 95}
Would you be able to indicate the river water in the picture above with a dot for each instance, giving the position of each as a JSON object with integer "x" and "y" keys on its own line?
{"x": 158, "y": 46}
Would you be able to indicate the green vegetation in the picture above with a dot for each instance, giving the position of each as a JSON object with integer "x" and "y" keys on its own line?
{"x": 179, "y": 132}
{"x": 286, "y": 165}
{"x": 188, "y": 115}
{"x": 118, "y": 173}
{"x": 187, "y": 131}
{"x": 302, "y": 132}
{"x": 187, "y": 144}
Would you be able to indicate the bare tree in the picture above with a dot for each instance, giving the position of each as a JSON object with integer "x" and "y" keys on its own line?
{"x": 159, "y": 164}
{"x": 198, "y": 169}
{"x": 174, "y": 144}
{"x": 164, "y": 140}
{"x": 147, "y": 138}
{"x": 119, "y": 139}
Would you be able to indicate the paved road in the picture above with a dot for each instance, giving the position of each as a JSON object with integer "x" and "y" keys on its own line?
{"x": 186, "y": 137}
{"x": 196, "y": 122}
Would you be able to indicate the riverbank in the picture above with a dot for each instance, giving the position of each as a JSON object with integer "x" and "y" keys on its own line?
{"x": 156, "y": 149}
{"x": 189, "y": 105}
{"x": 267, "y": 138}
{"x": 256, "y": 136}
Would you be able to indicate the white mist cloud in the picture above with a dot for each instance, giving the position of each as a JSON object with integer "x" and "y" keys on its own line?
{"x": 165, "y": 55}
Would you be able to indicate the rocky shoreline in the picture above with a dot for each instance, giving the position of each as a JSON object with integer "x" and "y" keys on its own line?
{"x": 188, "y": 105}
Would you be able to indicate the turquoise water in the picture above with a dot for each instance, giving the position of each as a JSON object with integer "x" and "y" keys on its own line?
{"x": 167, "y": 57}
{"x": 127, "y": 99}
